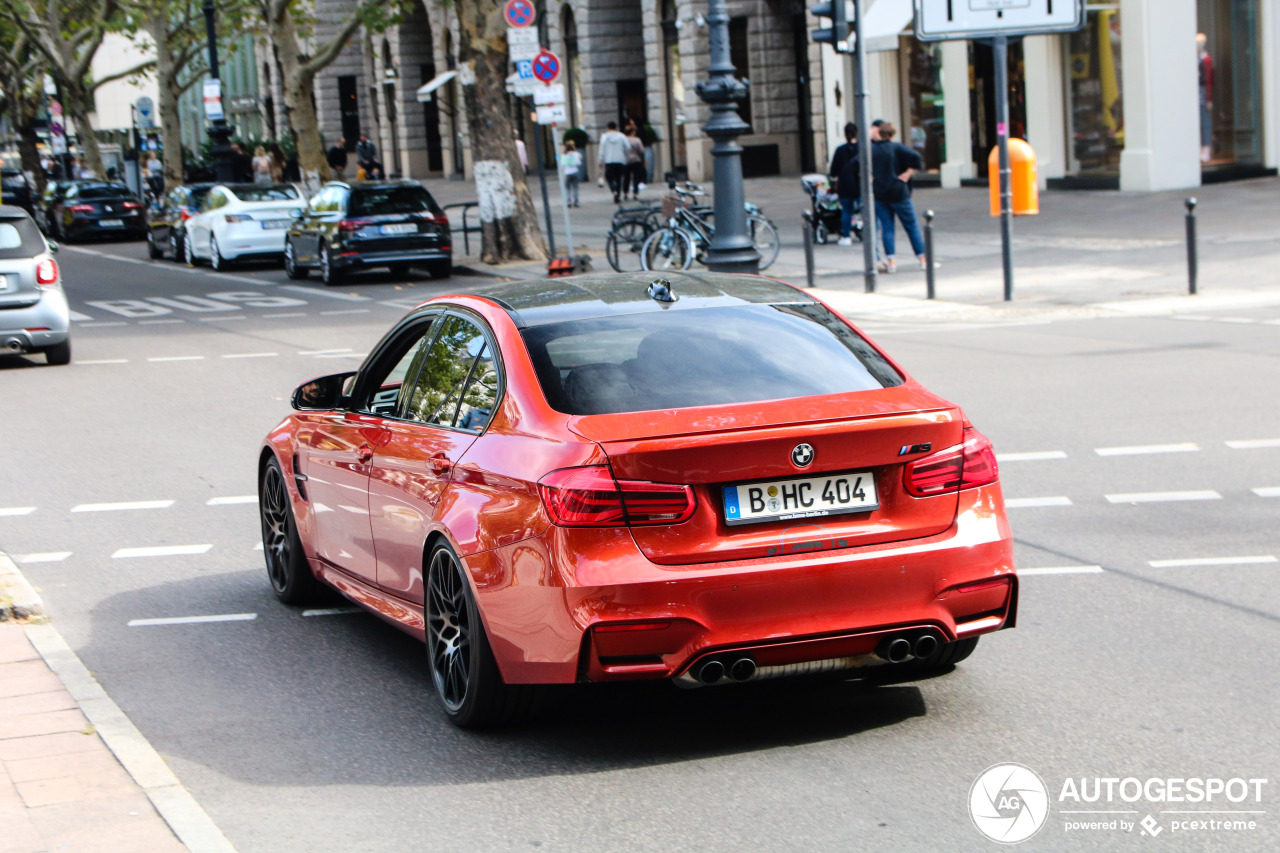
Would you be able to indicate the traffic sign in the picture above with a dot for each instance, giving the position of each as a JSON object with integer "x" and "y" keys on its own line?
{"x": 522, "y": 44}
{"x": 552, "y": 113}
{"x": 524, "y": 69}
{"x": 146, "y": 112}
{"x": 546, "y": 66}
{"x": 519, "y": 13}
{"x": 942, "y": 20}
{"x": 524, "y": 87}
{"x": 545, "y": 95}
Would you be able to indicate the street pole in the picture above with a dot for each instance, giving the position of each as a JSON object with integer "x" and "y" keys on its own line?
{"x": 542, "y": 178}
{"x": 732, "y": 249}
{"x": 219, "y": 130}
{"x": 863, "y": 120}
{"x": 1000, "y": 46}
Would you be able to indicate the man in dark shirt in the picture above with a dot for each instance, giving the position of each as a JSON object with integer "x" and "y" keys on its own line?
{"x": 337, "y": 158}
{"x": 844, "y": 174}
{"x": 892, "y": 165}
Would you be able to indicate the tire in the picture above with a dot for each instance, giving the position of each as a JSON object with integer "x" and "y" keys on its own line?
{"x": 765, "y": 238}
{"x": 217, "y": 263}
{"x": 440, "y": 269}
{"x": 466, "y": 678}
{"x": 399, "y": 270}
{"x": 175, "y": 245}
{"x": 58, "y": 354}
{"x": 188, "y": 251}
{"x": 287, "y": 569}
{"x": 624, "y": 245}
{"x": 291, "y": 268}
{"x": 820, "y": 234}
{"x": 153, "y": 251}
{"x": 328, "y": 274}
{"x": 667, "y": 249}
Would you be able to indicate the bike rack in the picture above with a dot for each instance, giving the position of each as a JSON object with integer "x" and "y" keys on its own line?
{"x": 466, "y": 229}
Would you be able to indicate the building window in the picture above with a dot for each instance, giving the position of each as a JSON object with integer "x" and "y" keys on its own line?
{"x": 740, "y": 56}
{"x": 1095, "y": 106}
{"x": 1229, "y": 78}
{"x": 926, "y": 131}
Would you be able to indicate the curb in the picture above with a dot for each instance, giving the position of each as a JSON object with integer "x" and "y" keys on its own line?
{"x": 175, "y": 804}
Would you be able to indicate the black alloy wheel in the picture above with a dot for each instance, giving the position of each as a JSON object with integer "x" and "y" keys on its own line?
{"x": 153, "y": 251}
{"x": 291, "y": 268}
{"x": 175, "y": 246}
{"x": 328, "y": 273}
{"x": 287, "y": 568}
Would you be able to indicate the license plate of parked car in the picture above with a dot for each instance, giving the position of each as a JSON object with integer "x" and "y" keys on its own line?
{"x": 806, "y": 497}
{"x": 111, "y": 223}
{"x": 275, "y": 224}
{"x": 403, "y": 228}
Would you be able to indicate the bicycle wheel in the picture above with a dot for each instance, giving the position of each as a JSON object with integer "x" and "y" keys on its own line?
{"x": 623, "y": 249}
{"x": 765, "y": 238}
{"x": 667, "y": 249}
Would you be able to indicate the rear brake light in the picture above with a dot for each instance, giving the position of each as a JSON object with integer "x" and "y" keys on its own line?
{"x": 81, "y": 208}
{"x": 590, "y": 497}
{"x": 965, "y": 466}
{"x": 131, "y": 205}
{"x": 186, "y": 214}
{"x": 442, "y": 221}
{"x": 353, "y": 224}
{"x": 237, "y": 217}
{"x": 47, "y": 272}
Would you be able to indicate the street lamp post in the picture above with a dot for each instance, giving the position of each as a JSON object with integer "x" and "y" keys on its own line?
{"x": 219, "y": 130}
{"x": 732, "y": 249}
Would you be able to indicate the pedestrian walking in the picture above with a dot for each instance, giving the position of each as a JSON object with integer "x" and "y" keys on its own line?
{"x": 848, "y": 184}
{"x": 613, "y": 159}
{"x": 571, "y": 168}
{"x": 523, "y": 154}
{"x": 635, "y": 163}
{"x": 241, "y": 164}
{"x": 892, "y": 165}
{"x": 337, "y": 157}
{"x": 276, "y": 153}
{"x": 261, "y": 166}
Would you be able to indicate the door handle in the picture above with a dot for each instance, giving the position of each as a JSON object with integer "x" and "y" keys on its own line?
{"x": 439, "y": 464}
{"x": 365, "y": 453}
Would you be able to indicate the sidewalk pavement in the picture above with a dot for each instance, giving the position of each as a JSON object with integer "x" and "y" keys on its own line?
{"x": 75, "y": 774}
{"x": 1088, "y": 253}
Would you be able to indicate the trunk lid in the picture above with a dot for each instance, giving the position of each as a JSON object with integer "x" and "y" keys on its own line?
{"x": 873, "y": 433}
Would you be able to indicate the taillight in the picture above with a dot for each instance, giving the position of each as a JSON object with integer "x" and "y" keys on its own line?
{"x": 131, "y": 205}
{"x": 442, "y": 221}
{"x": 965, "y": 466}
{"x": 353, "y": 224}
{"x": 81, "y": 208}
{"x": 237, "y": 217}
{"x": 590, "y": 497}
{"x": 185, "y": 214}
{"x": 47, "y": 272}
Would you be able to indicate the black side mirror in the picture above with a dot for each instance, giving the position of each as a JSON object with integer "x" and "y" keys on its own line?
{"x": 321, "y": 394}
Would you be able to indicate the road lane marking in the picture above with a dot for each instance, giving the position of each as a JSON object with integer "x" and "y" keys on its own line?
{"x": 159, "y": 322}
{"x": 236, "y": 499}
{"x": 1019, "y": 503}
{"x": 190, "y": 620}
{"x": 1254, "y": 443}
{"x": 281, "y": 316}
{"x": 43, "y": 557}
{"x": 336, "y": 313}
{"x": 105, "y": 361}
{"x": 1212, "y": 561}
{"x": 324, "y": 351}
{"x": 101, "y": 325}
{"x": 17, "y": 510}
{"x": 344, "y": 355}
{"x": 161, "y": 551}
{"x": 1155, "y": 497}
{"x": 1033, "y": 456}
{"x": 123, "y": 505}
{"x": 177, "y": 358}
{"x": 1062, "y": 570}
{"x": 1264, "y": 492}
{"x": 311, "y": 291}
{"x": 224, "y": 319}
{"x": 331, "y": 611}
{"x": 78, "y": 317}
{"x": 252, "y": 355}
{"x": 1236, "y": 320}
{"x": 1185, "y": 447}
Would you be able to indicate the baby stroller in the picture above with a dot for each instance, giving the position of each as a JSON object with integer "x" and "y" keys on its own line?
{"x": 825, "y": 215}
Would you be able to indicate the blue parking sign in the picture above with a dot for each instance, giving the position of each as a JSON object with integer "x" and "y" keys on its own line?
{"x": 524, "y": 69}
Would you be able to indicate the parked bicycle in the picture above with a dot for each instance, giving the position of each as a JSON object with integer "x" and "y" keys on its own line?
{"x": 689, "y": 230}
{"x": 631, "y": 226}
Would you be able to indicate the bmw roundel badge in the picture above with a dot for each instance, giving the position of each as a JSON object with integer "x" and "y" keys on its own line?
{"x": 802, "y": 455}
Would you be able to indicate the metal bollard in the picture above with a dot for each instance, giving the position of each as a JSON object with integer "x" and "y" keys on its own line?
{"x": 807, "y": 216}
{"x": 1192, "y": 260}
{"x": 928, "y": 254}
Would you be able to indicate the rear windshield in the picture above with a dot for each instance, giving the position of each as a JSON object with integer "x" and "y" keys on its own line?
{"x": 704, "y": 357}
{"x": 89, "y": 193}
{"x": 197, "y": 195}
{"x": 265, "y": 192}
{"x": 391, "y": 200}
{"x": 20, "y": 238}
{"x": 12, "y": 180}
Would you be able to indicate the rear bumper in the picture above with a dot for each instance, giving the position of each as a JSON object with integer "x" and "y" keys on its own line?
{"x": 242, "y": 241}
{"x": 543, "y": 616}
{"x": 19, "y": 324}
{"x": 373, "y": 259}
{"x": 133, "y": 227}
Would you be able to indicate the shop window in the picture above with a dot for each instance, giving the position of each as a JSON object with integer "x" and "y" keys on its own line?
{"x": 1094, "y": 99}
{"x": 740, "y": 56}
{"x": 1228, "y": 82}
{"x": 926, "y": 131}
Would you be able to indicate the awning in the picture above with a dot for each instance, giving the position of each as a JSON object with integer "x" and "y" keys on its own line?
{"x": 425, "y": 90}
{"x": 884, "y": 21}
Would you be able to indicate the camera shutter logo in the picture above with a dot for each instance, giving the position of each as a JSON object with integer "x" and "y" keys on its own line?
{"x": 1009, "y": 803}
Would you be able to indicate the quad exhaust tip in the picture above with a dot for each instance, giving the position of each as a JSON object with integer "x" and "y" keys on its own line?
{"x": 711, "y": 672}
{"x": 740, "y": 669}
{"x": 926, "y": 645}
{"x": 895, "y": 649}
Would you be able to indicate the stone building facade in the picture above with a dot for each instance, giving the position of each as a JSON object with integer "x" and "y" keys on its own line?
{"x": 621, "y": 59}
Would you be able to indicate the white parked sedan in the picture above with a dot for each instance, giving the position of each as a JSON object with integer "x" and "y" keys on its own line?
{"x": 238, "y": 221}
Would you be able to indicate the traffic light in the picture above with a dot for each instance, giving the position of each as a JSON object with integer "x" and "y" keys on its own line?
{"x": 837, "y": 35}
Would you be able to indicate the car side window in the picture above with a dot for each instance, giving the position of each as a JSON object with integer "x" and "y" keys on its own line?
{"x": 382, "y": 395}
{"x": 457, "y": 385}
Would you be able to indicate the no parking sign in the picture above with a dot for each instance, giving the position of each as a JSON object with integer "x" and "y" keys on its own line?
{"x": 519, "y": 13}
{"x": 546, "y": 66}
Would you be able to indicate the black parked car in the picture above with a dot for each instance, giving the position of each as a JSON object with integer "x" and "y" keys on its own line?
{"x": 361, "y": 224}
{"x": 165, "y": 220}
{"x": 17, "y": 190}
{"x": 96, "y": 208}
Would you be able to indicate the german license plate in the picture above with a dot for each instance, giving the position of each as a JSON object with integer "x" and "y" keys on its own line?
{"x": 806, "y": 497}
{"x": 111, "y": 223}
{"x": 402, "y": 228}
{"x": 275, "y": 224}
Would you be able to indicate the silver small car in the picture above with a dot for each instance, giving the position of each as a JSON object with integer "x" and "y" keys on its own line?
{"x": 34, "y": 315}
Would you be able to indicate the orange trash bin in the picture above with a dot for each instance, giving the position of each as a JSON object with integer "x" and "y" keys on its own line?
{"x": 1022, "y": 163}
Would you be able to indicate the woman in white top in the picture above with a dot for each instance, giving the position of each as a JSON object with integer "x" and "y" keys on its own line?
{"x": 571, "y": 168}
{"x": 261, "y": 166}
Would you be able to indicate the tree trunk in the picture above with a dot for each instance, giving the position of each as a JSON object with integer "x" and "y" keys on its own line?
{"x": 77, "y": 107}
{"x": 507, "y": 215}
{"x": 24, "y": 112}
{"x": 169, "y": 89}
{"x": 297, "y": 85}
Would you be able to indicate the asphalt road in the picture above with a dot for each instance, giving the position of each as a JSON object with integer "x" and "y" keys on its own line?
{"x": 1125, "y": 444}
